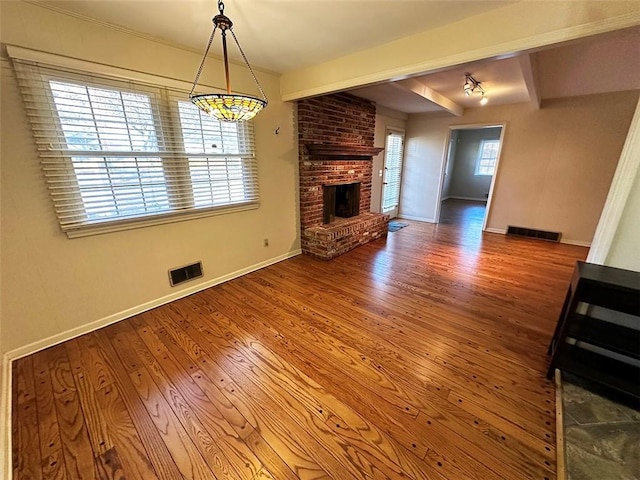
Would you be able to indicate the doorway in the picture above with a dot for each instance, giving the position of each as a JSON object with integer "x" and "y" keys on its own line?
{"x": 392, "y": 177}
{"x": 469, "y": 172}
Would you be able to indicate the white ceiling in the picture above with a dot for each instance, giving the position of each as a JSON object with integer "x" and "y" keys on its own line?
{"x": 502, "y": 81}
{"x": 606, "y": 63}
{"x": 283, "y": 35}
{"x": 280, "y": 35}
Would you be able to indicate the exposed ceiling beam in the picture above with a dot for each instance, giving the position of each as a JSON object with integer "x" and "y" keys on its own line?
{"x": 419, "y": 88}
{"x": 530, "y": 75}
{"x": 515, "y": 27}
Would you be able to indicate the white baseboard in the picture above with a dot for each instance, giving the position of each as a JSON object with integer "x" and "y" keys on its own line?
{"x": 453, "y": 197}
{"x": 579, "y": 243}
{"x": 417, "y": 219}
{"x": 568, "y": 241}
{"x": 130, "y": 312}
{"x": 6, "y": 470}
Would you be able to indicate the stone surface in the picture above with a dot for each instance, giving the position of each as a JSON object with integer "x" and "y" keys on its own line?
{"x": 602, "y": 437}
{"x": 603, "y": 451}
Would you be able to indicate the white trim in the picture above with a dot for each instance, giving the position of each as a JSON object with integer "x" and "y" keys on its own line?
{"x": 473, "y": 199}
{"x": 566, "y": 241}
{"x": 494, "y": 177}
{"x": 472, "y": 126}
{"x": 417, "y": 219}
{"x": 560, "y": 446}
{"x": 579, "y": 243}
{"x": 396, "y": 208}
{"x": 150, "y": 221}
{"x": 621, "y": 184}
{"x": 530, "y": 75}
{"x": 445, "y": 154}
{"x": 443, "y": 170}
{"x": 116, "y": 317}
{"x": 479, "y": 158}
{"x": 6, "y": 470}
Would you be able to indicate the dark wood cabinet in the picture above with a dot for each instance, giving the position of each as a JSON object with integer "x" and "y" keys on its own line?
{"x": 598, "y": 331}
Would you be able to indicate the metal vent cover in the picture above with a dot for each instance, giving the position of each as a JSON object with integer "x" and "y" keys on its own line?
{"x": 184, "y": 274}
{"x": 533, "y": 233}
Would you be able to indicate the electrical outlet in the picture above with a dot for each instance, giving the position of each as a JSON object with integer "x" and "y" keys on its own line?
{"x": 266, "y": 242}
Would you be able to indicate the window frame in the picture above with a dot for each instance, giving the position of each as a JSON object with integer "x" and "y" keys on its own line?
{"x": 479, "y": 158}
{"x": 72, "y": 78}
{"x": 389, "y": 132}
{"x": 167, "y": 127}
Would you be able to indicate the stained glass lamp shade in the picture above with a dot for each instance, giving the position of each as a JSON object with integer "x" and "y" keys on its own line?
{"x": 227, "y": 107}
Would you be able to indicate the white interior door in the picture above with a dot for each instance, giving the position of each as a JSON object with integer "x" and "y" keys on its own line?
{"x": 392, "y": 178}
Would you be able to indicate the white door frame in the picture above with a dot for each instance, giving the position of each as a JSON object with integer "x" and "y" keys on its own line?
{"x": 475, "y": 126}
{"x": 387, "y": 131}
{"x": 626, "y": 171}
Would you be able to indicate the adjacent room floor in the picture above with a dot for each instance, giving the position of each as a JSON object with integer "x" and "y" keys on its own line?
{"x": 465, "y": 214}
{"x": 420, "y": 356}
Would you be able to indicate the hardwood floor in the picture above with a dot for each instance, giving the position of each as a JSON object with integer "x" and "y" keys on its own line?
{"x": 420, "y": 356}
{"x": 466, "y": 214}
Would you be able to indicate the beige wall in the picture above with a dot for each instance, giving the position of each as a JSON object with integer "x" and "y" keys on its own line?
{"x": 385, "y": 118}
{"x": 51, "y": 284}
{"x": 556, "y": 164}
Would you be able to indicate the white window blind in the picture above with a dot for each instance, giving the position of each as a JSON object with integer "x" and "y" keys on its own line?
{"x": 487, "y": 157}
{"x": 393, "y": 169}
{"x": 119, "y": 154}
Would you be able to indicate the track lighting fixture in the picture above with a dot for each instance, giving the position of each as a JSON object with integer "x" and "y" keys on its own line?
{"x": 471, "y": 86}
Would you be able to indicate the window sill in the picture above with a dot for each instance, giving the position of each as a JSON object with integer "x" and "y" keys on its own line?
{"x": 134, "y": 223}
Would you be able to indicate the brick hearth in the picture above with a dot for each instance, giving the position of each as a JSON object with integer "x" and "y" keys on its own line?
{"x": 338, "y": 119}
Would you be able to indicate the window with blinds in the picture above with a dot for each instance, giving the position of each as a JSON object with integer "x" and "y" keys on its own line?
{"x": 392, "y": 169}
{"x": 121, "y": 154}
{"x": 487, "y": 157}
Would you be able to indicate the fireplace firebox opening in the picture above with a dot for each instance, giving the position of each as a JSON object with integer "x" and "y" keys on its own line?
{"x": 341, "y": 201}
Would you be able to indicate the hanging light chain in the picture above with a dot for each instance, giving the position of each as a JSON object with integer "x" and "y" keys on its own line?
{"x": 195, "y": 82}
{"x": 255, "y": 79}
{"x": 227, "y": 107}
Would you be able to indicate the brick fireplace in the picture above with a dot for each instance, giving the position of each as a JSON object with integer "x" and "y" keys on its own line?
{"x": 335, "y": 134}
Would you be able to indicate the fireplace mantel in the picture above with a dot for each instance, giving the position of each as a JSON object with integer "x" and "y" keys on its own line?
{"x": 362, "y": 152}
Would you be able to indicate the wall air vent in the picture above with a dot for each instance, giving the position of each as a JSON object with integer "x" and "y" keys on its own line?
{"x": 184, "y": 274}
{"x": 532, "y": 233}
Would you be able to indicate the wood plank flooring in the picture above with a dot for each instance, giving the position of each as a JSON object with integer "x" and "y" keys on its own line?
{"x": 421, "y": 356}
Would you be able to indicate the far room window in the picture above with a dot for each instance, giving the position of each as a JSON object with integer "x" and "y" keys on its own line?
{"x": 487, "y": 157}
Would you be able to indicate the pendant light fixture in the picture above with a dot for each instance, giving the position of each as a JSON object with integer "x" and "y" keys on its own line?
{"x": 227, "y": 107}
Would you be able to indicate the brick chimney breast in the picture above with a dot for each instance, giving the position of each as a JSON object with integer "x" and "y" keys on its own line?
{"x": 339, "y": 121}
